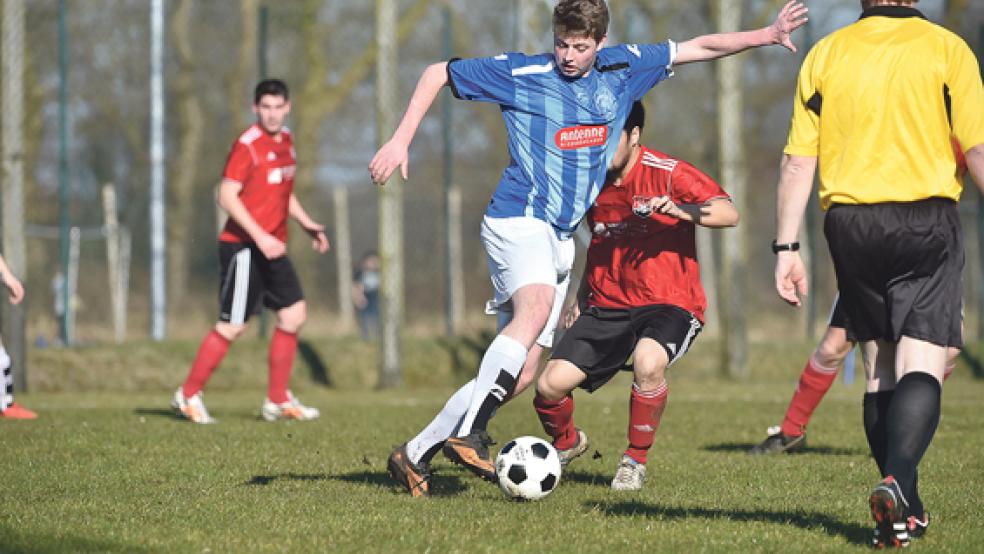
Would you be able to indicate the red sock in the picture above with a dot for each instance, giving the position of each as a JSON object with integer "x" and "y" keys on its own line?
{"x": 283, "y": 346}
{"x": 557, "y": 419}
{"x": 210, "y": 353}
{"x": 645, "y": 412}
{"x": 814, "y": 382}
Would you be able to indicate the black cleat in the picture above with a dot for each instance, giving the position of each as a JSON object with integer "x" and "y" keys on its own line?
{"x": 778, "y": 442}
{"x": 472, "y": 452}
{"x": 415, "y": 478}
{"x": 888, "y": 508}
{"x": 917, "y": 527}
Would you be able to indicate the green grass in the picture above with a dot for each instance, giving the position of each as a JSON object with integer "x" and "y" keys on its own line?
{"x": 113, "y": 471}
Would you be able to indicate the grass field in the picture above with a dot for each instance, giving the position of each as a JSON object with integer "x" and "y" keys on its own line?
{"x": 109, "y": 471}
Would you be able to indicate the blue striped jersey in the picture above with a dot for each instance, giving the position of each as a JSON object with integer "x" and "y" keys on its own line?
{"x": 562, "y": 132}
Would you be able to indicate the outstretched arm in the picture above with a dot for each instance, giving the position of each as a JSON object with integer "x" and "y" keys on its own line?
{"x": 792, "y": 16}
{"x": 395, "y": 153}
{"x": 715, "y": 213}
{"x": 795, "y": 185}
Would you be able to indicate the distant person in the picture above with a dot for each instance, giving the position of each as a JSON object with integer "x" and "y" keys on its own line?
{"x": 257, "y": 191}
{"x": 875, "y": 107}
{"x": 8, "y": 408}
{"x": 365, "y": 294}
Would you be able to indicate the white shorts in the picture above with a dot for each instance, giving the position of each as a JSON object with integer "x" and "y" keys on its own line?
{"x": 525, "y": 251}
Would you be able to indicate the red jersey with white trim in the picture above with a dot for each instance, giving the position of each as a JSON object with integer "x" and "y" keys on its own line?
{"x": 638, "y": 261}
{"x": 265, "y": 168}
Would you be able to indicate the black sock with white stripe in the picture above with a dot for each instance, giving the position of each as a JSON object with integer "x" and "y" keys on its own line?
{"x": 912, "y": 421}
{"x": 7, "y": 398}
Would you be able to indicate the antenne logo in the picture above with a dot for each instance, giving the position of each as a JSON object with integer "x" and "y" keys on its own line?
{"x": 582, "y": 136}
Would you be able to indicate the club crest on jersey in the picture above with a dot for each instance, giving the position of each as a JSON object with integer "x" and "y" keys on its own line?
{"x": 581, "y": 136}
{"x": 605, "y": 102}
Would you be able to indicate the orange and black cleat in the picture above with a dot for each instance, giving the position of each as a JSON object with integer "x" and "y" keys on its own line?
{"x": 472, "y": 452}
{"x": 888, "y": 508}
{"x": 16, "y": 411}
{"x": 415, "y": 478}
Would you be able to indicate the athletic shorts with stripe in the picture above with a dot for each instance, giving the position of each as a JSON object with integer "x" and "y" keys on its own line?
{"x": 602, "y": 340}
{"x": 247, "y": 276}
{"x": 899, "y": 269}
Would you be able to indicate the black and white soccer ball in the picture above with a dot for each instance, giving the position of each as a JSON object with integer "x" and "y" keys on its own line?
{"x": 528, "y": 468}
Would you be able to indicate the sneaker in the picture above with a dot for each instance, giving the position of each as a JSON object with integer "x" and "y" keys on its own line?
{"x": 580, "y": 447}
{"x": 292, "y": 409}
{"x": 413, "y": 477}
{"x": 916, "y": 527}
{"x": 629, "y": 476}
{"x": 16, "y": 411}
{"x": 777, "y": 442}
{"x": 472, "y": 452}
{"x": 888, "y": 507}
{"x": 192, "y": 409}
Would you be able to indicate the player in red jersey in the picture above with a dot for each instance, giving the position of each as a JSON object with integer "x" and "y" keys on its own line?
{"x": 640, "y": 296}
{"x": 257, "y": 192}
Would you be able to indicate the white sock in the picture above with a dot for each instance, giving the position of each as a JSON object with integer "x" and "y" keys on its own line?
{"x": 504, "y": 355}
{"x": 444, "y": 425}
{"x": 7, "y": 396}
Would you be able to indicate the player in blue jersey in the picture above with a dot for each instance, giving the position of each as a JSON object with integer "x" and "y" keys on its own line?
{"x": 563, "y": 113}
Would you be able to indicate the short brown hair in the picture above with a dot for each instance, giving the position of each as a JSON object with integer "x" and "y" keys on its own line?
{"x": 581, "y": 18}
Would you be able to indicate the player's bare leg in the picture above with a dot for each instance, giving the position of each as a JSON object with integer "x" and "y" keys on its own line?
{"x": 280, "y": 403}
{"x": 555, "y": 407}
{"x": 813, "y": 384}
{"x": 497, "y": 375}
{"x": 646, "y": 404}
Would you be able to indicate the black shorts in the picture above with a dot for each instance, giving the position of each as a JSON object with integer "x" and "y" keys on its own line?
{"x": 837, "y": 316}
{"x": 246, "y": 277}
{"x": 899, "y": 269}
{"x": 602, "y": 339}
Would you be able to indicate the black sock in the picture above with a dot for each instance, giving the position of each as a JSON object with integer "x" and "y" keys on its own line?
{"x": 912, "y": 420}
{"x": 876, "y": 406}
{"x": 505, "y": 384}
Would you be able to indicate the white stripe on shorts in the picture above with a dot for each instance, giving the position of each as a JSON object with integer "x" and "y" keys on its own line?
{"x": 240, "y": 291}
{"x": 695, "y": 326}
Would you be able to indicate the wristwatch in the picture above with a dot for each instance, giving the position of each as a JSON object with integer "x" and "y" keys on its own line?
{"x": 790, "y": 246}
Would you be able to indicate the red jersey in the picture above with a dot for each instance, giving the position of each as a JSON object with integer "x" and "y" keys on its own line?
{"x": 265, "y": 168}
{"x": 638, "y": 261}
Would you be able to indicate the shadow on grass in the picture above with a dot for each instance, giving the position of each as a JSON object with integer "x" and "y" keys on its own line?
{"x": 854, "y": 533}
{"x": 16, "y": 540}
{"x": 263, "y": 480}
{"x": 822, "y": 450}
{"x": 441, "y": 485}
{"x": 585, "y": 478}
{"x": 464, "y": 350}
{"x": 319, "y": 371}
{"x": 156, "y": 412}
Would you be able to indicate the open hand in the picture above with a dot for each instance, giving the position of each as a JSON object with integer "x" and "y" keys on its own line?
{"x": 792, "y": 16}
{"x": 319, "y": 240}
{"x": 791, "y": 280}
{"x": 393, "y": 154}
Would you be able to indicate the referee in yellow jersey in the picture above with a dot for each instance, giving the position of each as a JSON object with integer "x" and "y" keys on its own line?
{"x": 876, "y": 105}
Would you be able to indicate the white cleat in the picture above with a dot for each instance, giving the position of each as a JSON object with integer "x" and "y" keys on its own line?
{"x": 192, "y": 409}
{"x": 629, "y": 476}
{"x": 292, "y": 409}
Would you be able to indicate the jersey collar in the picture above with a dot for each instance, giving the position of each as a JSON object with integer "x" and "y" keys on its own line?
{"x": 892, "y": 11}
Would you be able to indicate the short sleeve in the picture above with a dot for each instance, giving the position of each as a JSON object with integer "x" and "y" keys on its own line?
{"x": 483, "y": 79}
{"x": 963, "y": 79}
{"x": 692, "y": 186}
{"x": 240, "y": 163}
{"x": 648, "y": 65}
{"x": 804, "y": 127}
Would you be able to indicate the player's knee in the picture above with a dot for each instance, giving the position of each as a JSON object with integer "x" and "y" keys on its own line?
{"x": 649, "y": 373}
{"x": 291, "y": 319}
{"x": 230, "y": 331}
{"x": 548, "y": 387}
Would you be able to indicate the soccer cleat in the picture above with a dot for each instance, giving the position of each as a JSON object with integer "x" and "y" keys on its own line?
{"x": 292, "y": 409}
{"x": 16, "y": 411}
{"x": 630, "y": 475}
{"x": 888, "y": 508}
{"x": 472, "y": 452}
{"x": 777, "y": 442}
{"x": 580, "y": 447}
{"x": 916, "y": 527}
{"x": 413, "y": 477}
{"x": 192, "y": 409}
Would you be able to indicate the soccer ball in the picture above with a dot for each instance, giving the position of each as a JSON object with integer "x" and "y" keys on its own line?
{"x": 528, "y": 468}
